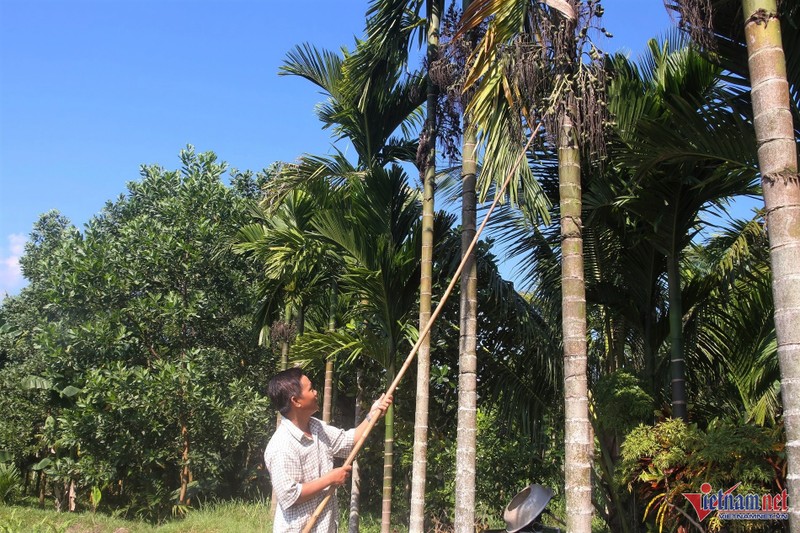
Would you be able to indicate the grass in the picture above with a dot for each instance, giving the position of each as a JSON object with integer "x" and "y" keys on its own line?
{"x": 225, "y": 517}
{"x": 369, "y": 524}
{"x": 221, "y": 517}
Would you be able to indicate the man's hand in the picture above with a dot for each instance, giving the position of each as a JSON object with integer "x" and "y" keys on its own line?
{"x": 333, "y": 479}
{"x": 380, "y": 405}
{"x": 338, "y": 476}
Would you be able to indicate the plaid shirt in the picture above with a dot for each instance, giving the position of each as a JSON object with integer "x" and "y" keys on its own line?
{"x": 293, "y": 459}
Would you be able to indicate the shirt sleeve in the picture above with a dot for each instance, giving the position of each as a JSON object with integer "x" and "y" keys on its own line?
{"x": 340, "y": 442}
{"x": 284, "y": 471}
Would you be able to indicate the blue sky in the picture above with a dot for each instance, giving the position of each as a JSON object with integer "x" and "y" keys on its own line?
{"x": 91, "y": 89}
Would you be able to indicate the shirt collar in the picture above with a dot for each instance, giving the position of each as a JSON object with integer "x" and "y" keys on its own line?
{"x": 296, "y": 432}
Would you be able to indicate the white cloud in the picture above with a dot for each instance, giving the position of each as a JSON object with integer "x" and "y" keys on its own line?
{"x": 11, "y": 280}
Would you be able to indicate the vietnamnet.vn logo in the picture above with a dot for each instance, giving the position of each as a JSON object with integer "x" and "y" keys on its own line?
{"x": 738, "y": 506}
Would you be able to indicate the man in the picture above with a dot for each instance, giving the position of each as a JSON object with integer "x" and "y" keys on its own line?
{"x": 300, "y": 454}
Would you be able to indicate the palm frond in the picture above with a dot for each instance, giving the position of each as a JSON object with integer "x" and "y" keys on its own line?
{"x": 393, "y": 26}
{"x": 319, "y": 175}
{"x": 325, "y": 345}
{"x": 323, "y": 68}
{"x": 735, "y": 327}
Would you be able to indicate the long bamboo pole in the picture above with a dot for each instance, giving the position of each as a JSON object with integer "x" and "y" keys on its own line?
{"x": 371, "y": 424}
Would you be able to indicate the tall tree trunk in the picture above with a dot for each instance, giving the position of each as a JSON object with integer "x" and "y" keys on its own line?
{"x": 185, "y": 470}
{"x": 466, "y": 439}
{"x": 677, "y": 362}
{"x": 648, "y": 319}
{"x": 419, "y": 462}
{"x": 327, "y": 395}
{"x": 577, "y": 430}
{"x": 355, "y": 483}
{"x": 301, "y": 320}
{"x": 287, "y": 319}
{"x": 777, "y": 161}
{"x": 388, "y": 458}
{"x": 41, "y": 485}
{"x": 71, "y": 496}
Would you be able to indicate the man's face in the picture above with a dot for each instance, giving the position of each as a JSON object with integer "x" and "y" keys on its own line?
{"x": 307, "y": 399}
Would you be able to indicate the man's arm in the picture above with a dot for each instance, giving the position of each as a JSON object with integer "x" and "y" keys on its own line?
{"x": 285, "y": 469}
{"x": 378, "y": 410}
{"x": 335, "y": 478}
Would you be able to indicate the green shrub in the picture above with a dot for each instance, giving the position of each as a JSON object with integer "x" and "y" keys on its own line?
{"x": 10, "y": 481}
{"x": 660, "y": 463}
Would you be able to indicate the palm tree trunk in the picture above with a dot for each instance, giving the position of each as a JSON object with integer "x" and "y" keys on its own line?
{"x": 388, "y": 458}
{"x": 419, "y": 461}
{"x": 577, "y": 428}
{"x": 677, "y": 361}
{"x": 355, "y": 475}
{"x": 327, "y": 395}
{"x": 328, "y": 392}
{"x": 287, "y": 319}
{"x": 777, "y": 161}
{"x": 648, "y": 319}
{"x": 466, "y": 434}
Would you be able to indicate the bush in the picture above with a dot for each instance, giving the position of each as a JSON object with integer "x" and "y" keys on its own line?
{"x": 10, "y": 480}
{"x": 660, "y": 463}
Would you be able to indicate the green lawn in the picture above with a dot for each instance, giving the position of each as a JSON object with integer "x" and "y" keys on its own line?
{"x": 226, "y": 517}
{"x": 233, "y": 517}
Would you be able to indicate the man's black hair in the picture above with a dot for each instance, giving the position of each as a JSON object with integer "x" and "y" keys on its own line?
{"x": 283, "y": 386}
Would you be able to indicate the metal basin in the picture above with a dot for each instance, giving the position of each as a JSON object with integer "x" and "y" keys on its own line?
{"x": 526, "y": 507}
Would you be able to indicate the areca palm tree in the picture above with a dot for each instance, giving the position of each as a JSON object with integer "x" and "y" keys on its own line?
{"x": 512, "y": 92}
{"x": 624, "y": 267}
{"x": 391, "y": 26}
{"x": 447, "y": 71}
{"x": 468, "y": 345}
{"x": 684, "y": 152}
{"x": 367, "y": 112}
{"x": 293, "y": 266}
{"x": 377, "y": 228}
{"x": 777, "y": 161}
{"x": 428, "y": 174}
{"x": 689, "y": 152}
{"x": 774, "y": 94}
{"x": 369, "y": 100}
